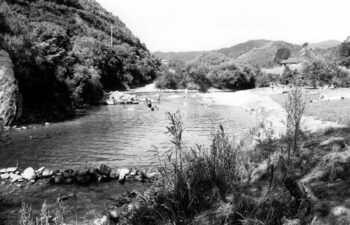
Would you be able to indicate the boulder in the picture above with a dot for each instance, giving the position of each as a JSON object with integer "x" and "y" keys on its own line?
{"x": 101, "y": 221}
{"x": 113, "y": 176}
{"x": 105, "y": 170}
{"x": 47, "y": 172}
{"x": 83, "y": 172}
{"x": 139, "y": 177}
{"x": 58, "y": 179}
{"x": 92, "y": 170}
{"x": 68, "y": 180}
{"x": 66, "y": 174}
{"x": 151, "y": 175}
{"x": 40, "y": 171}
{"x": 3, "y": 170}
{"x": 15, "y": 178}
{"x": 4, "y": 176}
{"x": 11, "y": 169}
{"x": 122, "y": 173}
{"x": 114, "y": 216}
{"x": 29, "y": 174}
{"x": 10, "y": 99}
{"x": 133, "y": 172}
{"x": 83, "y": 179}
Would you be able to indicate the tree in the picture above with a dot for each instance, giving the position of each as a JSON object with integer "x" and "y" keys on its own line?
{"x": 319, "y": 71}
{"x": 344, "y": 54}
{"x": 282, "y": 54}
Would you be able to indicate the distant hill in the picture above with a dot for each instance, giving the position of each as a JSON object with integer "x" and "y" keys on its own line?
{"x": 243, "y": 48}
{"x": 325, "y": 44}
{"x": 263, "y": 55}
{"x": 256, "y": 52}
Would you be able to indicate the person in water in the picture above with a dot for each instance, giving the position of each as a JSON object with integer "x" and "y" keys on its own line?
{"x": 149, "y": 103}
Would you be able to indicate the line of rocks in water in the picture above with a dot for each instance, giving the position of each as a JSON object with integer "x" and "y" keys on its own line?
{"x": 115, "y": 98}
{"x": 69, "y": 176}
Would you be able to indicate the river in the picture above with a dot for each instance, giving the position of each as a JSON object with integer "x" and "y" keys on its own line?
{"x": 119, "y": 136}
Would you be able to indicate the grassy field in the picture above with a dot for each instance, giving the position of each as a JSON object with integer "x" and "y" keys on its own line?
{"x": 332, "y": 110}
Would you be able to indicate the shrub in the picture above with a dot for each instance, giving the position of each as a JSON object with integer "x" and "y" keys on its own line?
{"x": 266, "y": 79}
{"x": 295, "y": 108}
{"x": 192, "y": 180}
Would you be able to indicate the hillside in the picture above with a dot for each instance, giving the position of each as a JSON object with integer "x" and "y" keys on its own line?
{"x": 63, "y": 57}
{"x": 181, "y": 56}
{"x": 256, "y": 52}
{"x": 325, "y": 44}
{"x": 264, "y": 54}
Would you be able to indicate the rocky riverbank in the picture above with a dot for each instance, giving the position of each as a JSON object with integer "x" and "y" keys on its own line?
{"x": 70, "y": 176}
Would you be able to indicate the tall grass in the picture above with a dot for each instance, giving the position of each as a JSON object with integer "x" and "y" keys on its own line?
{"x": 295, "y": 108}
{"x": 194, "y": 179}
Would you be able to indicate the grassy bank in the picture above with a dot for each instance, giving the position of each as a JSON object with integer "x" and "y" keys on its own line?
{"x": 335, "y": 110}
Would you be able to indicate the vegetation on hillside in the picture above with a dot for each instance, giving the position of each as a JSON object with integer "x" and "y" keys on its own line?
{"x": 255, "y": 52}
{"x": 318, "y": 67}
{"x": 63, "y": 56}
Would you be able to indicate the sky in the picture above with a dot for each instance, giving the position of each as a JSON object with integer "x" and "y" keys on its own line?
{"x": 194, "y": 25}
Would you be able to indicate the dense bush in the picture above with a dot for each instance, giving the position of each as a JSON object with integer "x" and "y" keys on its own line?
{"x": 209, "y": 70}
{"x": 344, "y": 53}
{"x": 288, "y": 76}
{"x": 266, "y": 79}
{"x": 281, "y": 54}
{"x": 63, "y": 58}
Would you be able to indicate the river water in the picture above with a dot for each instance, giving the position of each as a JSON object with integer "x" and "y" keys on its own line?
{"x": 119, "y": 136}
{"x": 114, "y": 135}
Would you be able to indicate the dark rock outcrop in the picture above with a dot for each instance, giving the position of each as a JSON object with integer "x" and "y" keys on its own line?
{"x": 10, "y": 103}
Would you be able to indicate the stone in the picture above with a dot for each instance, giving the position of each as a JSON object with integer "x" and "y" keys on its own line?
{"x": 11, "y": 169}
{"x": 122, "y": 174}
{"x": 68, "y": 180}
{"x": 114, "y": 216}
{"x": 151, "y": 175}
{"x": 16, "y": 178}
{"x": 47, "y": 172}
{"x": 40, "y": 171}
{"x": 92, "y": 170}
{"x": 10, "y": 98}
{"x": 83, "y": 179}
{"x": 133, "y": 172}
{"x": 58, "y": 179}
{"x": 139, "y": 178}
{"x": 83, "y": 172}
{"x": 66, "y": 174}
{"x": 101, "y": 221}
{"x": 113, "y": 176}
{"x": 3, "y": 170}
{"x": 29, "y": 174}
{"x": 4, "y": 176}
{"x": 105, "y": 170}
